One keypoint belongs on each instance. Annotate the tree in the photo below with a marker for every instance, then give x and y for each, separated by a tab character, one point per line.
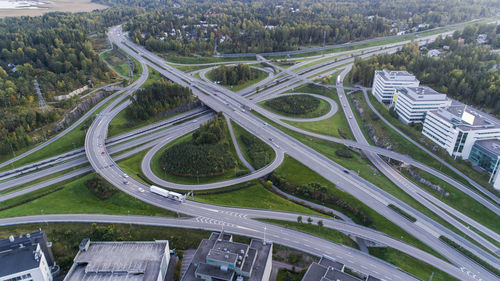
320	223
309	220
299	219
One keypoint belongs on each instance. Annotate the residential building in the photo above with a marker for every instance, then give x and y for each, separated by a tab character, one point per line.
22	258
385	83
133	261
220	258
456	128
412	103
328	269
482	39
485	154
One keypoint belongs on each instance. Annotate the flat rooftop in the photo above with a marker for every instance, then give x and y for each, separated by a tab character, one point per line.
396	75
118	261
217	248
18	260
492	146
422	93
455	111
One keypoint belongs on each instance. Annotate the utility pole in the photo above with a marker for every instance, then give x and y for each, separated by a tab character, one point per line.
432	275
324	38
41	101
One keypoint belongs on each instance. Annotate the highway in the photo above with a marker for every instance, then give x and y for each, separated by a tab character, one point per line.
230	105
239	221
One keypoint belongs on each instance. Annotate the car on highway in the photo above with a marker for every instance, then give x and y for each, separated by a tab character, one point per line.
125	175
103	153
350	116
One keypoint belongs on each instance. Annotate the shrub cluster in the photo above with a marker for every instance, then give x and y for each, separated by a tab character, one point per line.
300	104
100	188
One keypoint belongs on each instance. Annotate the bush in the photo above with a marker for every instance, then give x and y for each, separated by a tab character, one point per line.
343	153
100	188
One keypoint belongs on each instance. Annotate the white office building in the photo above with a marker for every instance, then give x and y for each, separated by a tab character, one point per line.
24	263
385	83
457	127
413	103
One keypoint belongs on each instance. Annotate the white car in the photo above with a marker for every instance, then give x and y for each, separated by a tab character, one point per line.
125	175
350	116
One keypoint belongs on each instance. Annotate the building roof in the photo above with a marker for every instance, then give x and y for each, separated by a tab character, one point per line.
136	261
491	146
396	75
33	238
330	262
221	249
466	117
422	93
324	272
18	260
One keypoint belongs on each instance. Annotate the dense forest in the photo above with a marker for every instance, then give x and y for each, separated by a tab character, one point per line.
155	98
297	104
467	72
188	27
207	154
54	49
233	75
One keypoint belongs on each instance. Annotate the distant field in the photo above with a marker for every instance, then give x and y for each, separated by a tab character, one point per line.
55	6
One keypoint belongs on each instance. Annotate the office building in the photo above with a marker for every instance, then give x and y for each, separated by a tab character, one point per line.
328	269
110	261
24	258
412	103
385	83
456	128
485	154
220	259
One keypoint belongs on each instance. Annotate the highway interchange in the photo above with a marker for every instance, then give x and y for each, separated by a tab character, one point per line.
98	152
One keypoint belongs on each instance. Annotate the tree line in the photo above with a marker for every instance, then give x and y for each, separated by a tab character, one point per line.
156	98
265	26
469	72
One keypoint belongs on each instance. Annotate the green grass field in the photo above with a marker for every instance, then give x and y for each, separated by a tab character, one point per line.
335	126
245	150
117	61
75	198
254	196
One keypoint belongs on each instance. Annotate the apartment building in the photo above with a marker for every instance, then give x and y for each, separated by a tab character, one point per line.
385	83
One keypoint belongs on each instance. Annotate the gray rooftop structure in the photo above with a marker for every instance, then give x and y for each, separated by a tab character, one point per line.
328	269
396	75
422	93
491	146
38	237
135	261
220	258
18	260
455	111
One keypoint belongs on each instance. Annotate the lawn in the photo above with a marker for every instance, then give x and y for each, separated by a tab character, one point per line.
409	264
322	109
117	61
235	88
248	152
254	196
335	126
132	166
75	198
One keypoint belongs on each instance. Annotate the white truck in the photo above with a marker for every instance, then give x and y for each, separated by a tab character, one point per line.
169	194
